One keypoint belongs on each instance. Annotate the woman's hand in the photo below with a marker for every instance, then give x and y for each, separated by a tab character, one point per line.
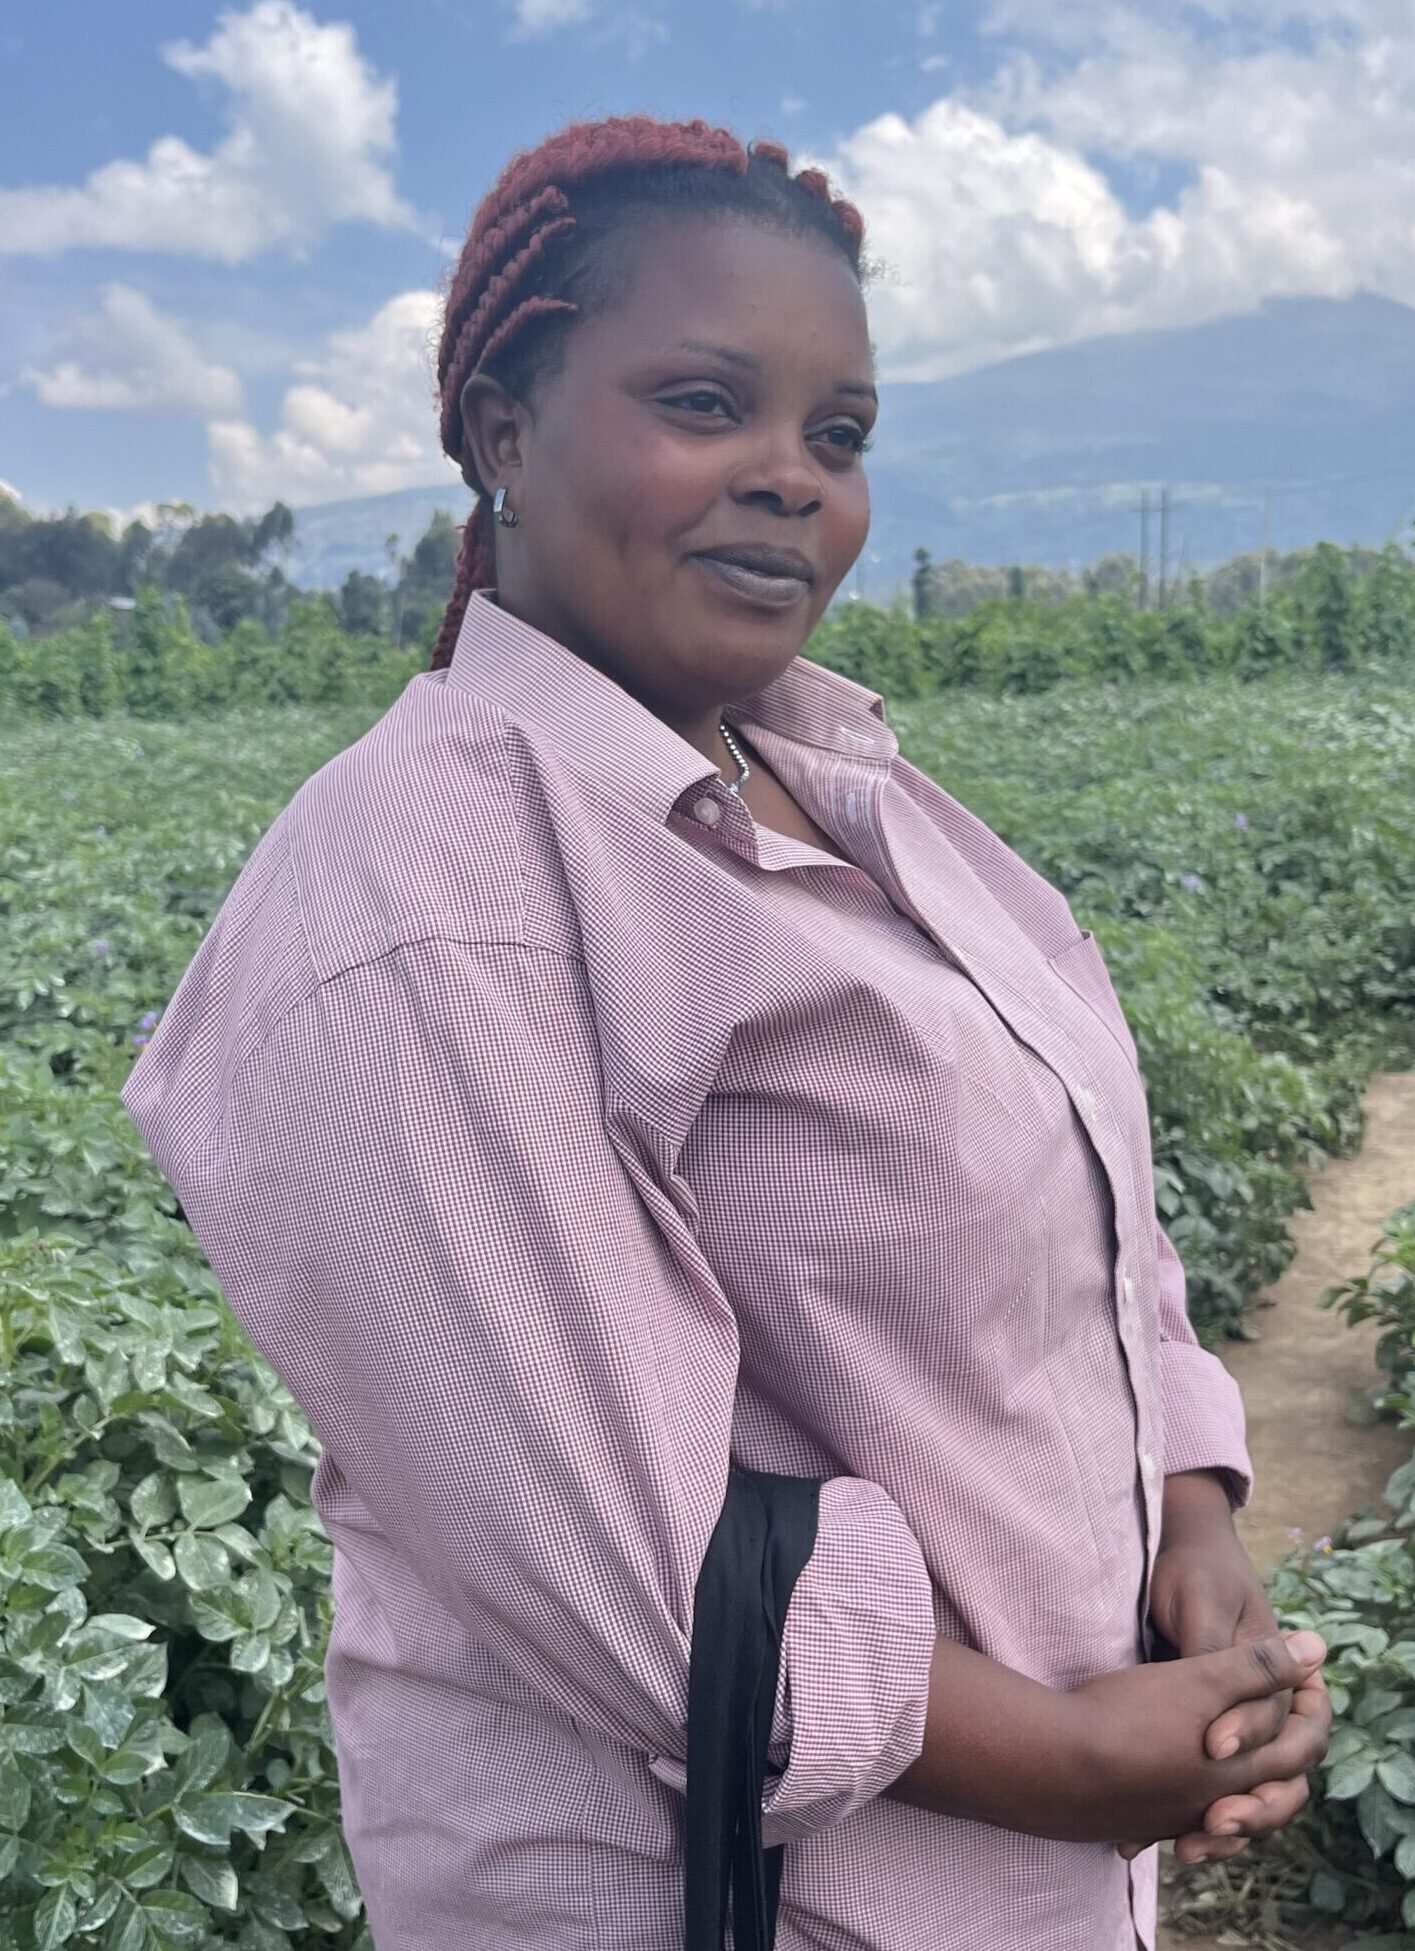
1206	1595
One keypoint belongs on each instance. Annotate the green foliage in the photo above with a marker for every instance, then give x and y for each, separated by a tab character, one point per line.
166	1769
1357	1841
151	663
1023	631
1385	1294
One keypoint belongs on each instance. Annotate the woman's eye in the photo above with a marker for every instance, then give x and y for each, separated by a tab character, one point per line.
699	400
847	438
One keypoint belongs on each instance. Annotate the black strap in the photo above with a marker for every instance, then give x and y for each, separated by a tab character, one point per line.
762	1540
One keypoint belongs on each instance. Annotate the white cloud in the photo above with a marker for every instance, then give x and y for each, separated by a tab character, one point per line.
128	356
544	16
1001	226
309	139
362	418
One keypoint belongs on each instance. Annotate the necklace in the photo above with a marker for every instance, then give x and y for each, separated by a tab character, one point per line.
743	769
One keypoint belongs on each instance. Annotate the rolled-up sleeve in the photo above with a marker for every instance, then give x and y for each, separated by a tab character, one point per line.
515	1353
1203	1410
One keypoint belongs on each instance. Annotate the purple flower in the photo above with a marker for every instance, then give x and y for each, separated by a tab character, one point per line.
1191	883
1321	1544
1241	822
1294	1531
100	947
139	1040
149	1022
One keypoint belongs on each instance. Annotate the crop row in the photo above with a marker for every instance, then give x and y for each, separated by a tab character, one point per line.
1247	858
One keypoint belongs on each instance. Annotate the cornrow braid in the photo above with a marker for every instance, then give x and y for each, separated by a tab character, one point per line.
529	263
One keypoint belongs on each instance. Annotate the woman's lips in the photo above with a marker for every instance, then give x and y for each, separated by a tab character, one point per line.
777	592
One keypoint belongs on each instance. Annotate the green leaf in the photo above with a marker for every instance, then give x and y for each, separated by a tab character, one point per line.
54	1918
86	1743
1397	1773
212	1500
1348	1778
211	1818
9	1855
148	1865
250	1653
154	1501
14	1793
207	1752
336	1874
276	1906
132	1934
54	1568
202	1562
1379	1817
108	1711
95	1914
215	1883
174	1916
15	1507
156	1556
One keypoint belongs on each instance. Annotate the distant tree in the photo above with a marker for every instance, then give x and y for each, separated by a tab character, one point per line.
273	533
135	547
1326	604
426	581
363	604
919	584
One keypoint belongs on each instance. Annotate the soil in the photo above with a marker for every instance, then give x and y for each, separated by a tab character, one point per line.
1313	1465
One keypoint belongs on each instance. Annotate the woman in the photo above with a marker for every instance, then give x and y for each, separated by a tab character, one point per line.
620	1062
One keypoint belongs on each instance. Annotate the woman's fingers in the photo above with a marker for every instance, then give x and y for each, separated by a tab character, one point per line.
1268	1807
1243	1729
1303	1740
1201	1848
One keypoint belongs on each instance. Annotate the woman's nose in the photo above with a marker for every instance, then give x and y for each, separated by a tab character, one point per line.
779	476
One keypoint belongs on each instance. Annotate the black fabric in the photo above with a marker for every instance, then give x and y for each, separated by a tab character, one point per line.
762	1540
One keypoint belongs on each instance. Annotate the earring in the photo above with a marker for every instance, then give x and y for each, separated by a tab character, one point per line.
507	517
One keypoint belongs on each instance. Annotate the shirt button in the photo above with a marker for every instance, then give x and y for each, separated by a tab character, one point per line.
708	812
1147	1466
1127	1290
1085	1103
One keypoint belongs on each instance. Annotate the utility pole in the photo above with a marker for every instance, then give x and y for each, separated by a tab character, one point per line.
1263	558
1164	546
1144	548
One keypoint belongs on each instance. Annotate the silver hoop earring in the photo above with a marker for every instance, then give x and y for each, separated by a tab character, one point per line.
507	517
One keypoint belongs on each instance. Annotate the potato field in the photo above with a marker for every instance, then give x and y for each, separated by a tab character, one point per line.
1244	851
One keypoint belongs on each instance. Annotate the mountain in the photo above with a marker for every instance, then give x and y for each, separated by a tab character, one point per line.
1308	402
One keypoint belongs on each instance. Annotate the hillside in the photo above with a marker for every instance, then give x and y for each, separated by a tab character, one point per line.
1042	459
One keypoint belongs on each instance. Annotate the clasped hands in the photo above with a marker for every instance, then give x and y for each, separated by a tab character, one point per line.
1205	1596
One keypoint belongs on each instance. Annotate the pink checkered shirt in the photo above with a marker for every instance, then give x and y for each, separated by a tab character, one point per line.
558	1133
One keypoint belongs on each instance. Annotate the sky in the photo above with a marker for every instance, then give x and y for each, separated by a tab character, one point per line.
225	230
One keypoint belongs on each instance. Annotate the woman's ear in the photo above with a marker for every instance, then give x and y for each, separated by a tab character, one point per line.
492	427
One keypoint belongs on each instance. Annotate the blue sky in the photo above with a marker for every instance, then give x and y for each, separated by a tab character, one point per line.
222	227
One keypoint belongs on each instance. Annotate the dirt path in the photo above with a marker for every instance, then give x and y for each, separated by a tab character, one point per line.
1312	1466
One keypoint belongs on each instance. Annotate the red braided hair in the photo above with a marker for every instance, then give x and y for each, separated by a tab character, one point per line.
523	264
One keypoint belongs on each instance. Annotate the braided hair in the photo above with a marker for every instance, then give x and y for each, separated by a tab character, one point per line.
533	261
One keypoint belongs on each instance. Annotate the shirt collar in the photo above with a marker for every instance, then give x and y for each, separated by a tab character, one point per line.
605	730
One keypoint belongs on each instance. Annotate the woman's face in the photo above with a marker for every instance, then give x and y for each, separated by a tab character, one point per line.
689	483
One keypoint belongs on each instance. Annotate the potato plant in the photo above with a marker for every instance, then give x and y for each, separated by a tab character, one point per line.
1246	854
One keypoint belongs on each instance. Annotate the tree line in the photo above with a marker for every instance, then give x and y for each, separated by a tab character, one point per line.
192	614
